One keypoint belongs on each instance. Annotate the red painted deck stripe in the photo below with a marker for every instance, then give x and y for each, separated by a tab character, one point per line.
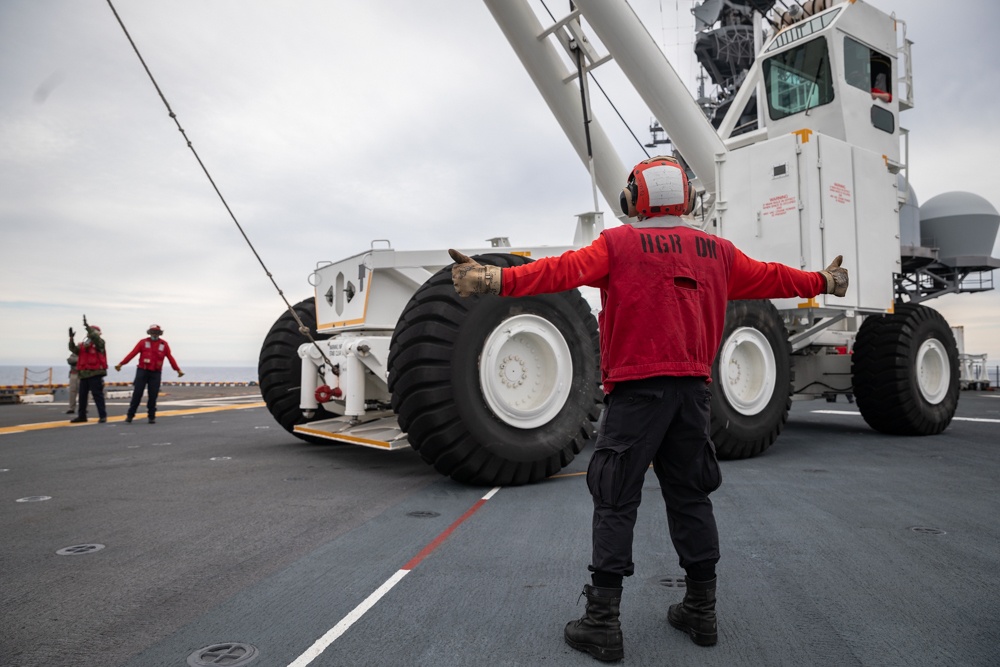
340	628
426	551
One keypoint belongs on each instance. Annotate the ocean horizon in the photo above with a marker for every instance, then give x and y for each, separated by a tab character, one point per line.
38	374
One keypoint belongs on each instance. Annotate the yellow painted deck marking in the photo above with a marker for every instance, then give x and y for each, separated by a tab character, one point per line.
162	413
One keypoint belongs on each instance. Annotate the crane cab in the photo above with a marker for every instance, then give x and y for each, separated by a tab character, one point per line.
835	74
818	177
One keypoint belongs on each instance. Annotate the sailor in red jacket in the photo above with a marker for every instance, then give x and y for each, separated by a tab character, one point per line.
664	288
152	351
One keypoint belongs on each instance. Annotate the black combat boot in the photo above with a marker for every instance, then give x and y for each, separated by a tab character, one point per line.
696	614
599	632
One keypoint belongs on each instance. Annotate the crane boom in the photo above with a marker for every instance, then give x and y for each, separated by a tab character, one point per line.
556	84
656	81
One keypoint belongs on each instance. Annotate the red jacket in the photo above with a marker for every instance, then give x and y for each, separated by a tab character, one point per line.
663	295
153	354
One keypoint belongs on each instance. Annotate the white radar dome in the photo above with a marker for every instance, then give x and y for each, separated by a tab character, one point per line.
960	224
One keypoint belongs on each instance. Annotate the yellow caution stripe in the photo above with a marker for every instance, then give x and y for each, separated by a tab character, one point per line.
163	413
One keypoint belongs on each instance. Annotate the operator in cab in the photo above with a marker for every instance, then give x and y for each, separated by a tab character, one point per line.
664	288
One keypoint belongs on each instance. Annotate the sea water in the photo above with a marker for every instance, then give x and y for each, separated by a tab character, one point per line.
38	374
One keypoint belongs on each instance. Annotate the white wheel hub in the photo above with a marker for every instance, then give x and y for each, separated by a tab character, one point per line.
933	370
525	371
747	369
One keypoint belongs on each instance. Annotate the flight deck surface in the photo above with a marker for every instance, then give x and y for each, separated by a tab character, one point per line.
224	538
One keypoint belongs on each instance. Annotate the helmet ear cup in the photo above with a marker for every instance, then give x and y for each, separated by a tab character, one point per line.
692	193
628	198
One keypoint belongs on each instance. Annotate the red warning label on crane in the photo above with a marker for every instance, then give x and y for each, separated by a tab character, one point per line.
840	193
779	205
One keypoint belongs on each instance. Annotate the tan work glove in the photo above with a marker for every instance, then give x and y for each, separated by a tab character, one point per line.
470	277
118	367
836	277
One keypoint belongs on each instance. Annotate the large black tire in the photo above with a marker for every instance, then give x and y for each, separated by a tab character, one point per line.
459	422
752	380
279	369
905	368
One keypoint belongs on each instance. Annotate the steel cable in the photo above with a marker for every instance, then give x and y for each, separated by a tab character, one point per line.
303	329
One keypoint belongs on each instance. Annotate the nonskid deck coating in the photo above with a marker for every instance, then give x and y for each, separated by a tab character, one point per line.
841	546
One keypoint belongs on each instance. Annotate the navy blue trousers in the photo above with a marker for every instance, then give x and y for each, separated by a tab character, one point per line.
95	386
663	421
149	382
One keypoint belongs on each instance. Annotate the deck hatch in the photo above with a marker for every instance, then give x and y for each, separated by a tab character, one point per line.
230	654
78	549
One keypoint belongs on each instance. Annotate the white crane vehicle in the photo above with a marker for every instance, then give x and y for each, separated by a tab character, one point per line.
800	157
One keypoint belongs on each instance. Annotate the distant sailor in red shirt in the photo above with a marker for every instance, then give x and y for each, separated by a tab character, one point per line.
664	288
152	351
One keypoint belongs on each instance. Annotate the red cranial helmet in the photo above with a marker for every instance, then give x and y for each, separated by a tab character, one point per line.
657	187
154	329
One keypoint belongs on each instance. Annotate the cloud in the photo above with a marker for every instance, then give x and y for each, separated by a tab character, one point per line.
326	125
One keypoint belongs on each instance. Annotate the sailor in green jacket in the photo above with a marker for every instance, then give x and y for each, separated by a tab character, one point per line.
92	366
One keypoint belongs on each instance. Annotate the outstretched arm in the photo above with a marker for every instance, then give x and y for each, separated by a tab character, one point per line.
128	357
94	334
751	279
573	268
170	358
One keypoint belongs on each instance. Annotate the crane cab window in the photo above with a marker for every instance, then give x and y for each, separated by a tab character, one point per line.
798	79
868	69
871	71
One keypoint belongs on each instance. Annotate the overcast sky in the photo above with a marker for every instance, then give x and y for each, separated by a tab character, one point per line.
327	124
